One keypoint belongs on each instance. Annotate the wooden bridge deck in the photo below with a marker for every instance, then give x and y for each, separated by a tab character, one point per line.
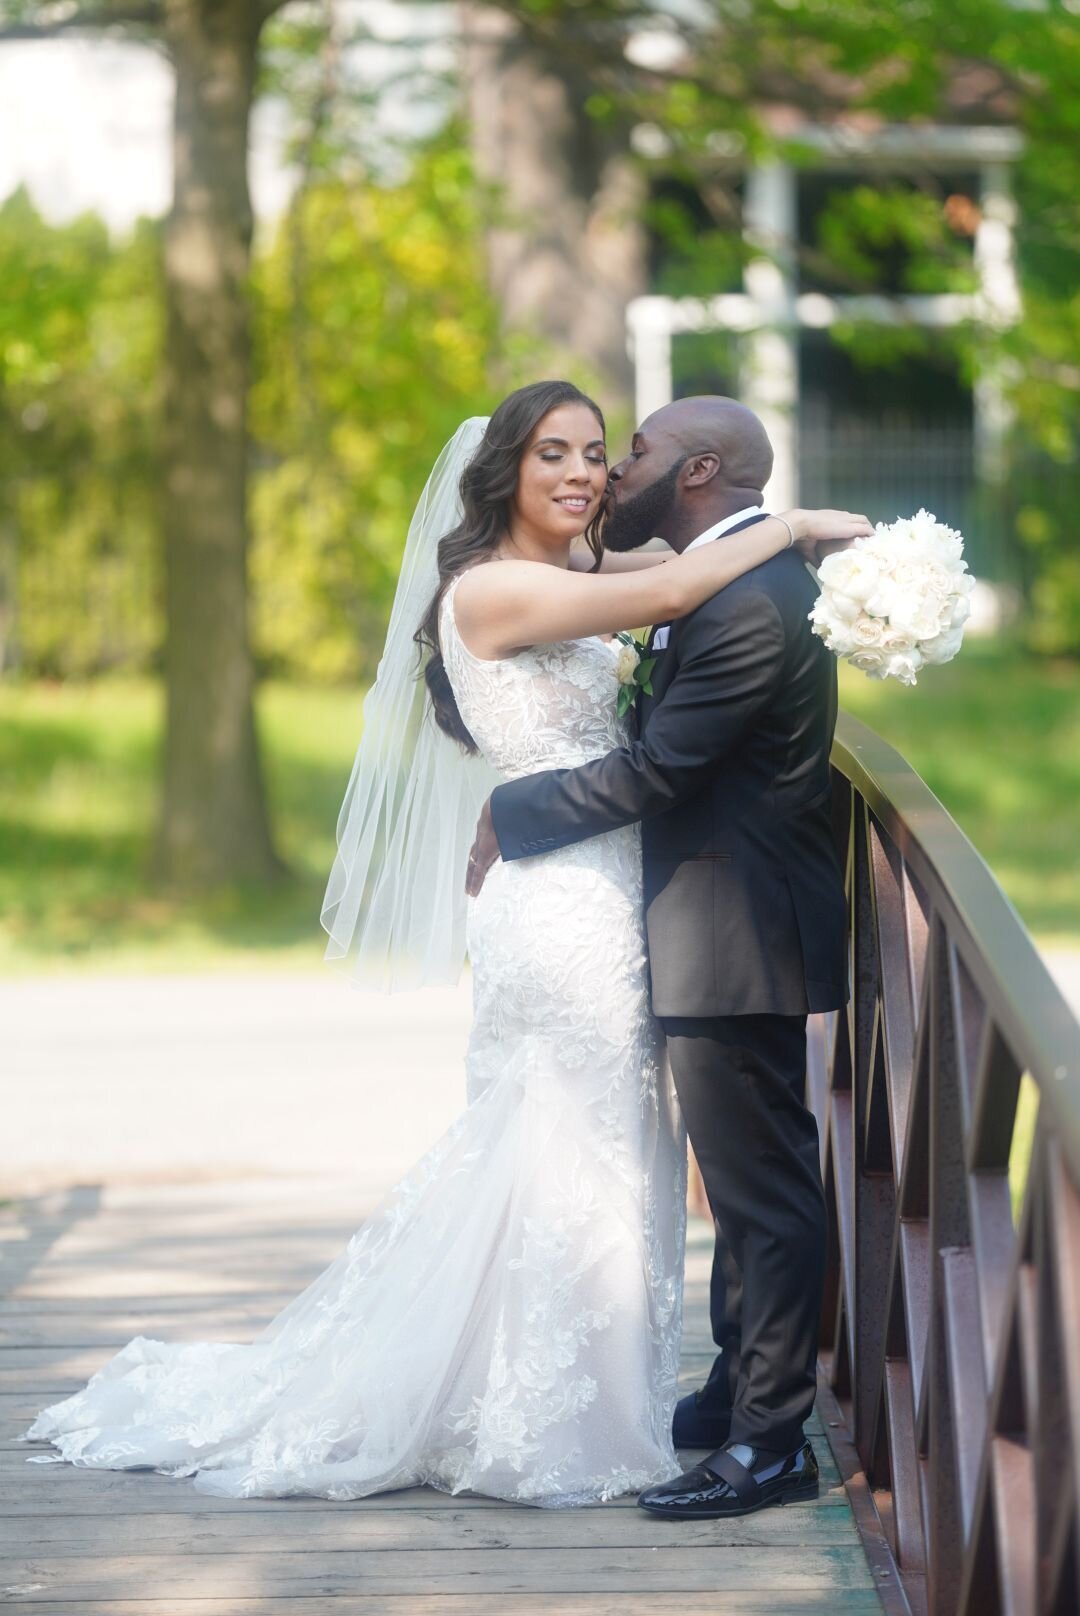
86	1270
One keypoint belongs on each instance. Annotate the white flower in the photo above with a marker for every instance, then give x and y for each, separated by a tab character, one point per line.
626	663
880	603
840	639
959	611
871	662
917	614
867	632
852	572
943	648
904	665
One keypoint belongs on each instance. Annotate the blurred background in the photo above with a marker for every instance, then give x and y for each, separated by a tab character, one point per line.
259	260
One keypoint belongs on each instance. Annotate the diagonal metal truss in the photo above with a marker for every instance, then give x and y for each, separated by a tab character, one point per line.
951	1328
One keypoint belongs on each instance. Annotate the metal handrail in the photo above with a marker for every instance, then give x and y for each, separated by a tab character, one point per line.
1001	954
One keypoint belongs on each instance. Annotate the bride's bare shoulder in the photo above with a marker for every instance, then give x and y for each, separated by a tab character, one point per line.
491	585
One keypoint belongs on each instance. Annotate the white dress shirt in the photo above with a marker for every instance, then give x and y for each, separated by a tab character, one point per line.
660	638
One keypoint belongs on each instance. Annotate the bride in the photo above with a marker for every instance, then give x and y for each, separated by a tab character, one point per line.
508	1320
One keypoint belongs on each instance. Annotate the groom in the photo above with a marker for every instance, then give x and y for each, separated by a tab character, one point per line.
746	925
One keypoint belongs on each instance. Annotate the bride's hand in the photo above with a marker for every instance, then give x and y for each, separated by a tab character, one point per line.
820	533
484	853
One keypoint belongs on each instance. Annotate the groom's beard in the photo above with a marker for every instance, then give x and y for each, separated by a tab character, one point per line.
633	522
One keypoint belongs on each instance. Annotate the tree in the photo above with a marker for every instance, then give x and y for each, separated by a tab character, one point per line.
567	248
213	827
695	80
80	344
375	336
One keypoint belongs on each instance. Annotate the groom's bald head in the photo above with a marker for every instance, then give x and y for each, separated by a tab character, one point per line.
711	424
691	463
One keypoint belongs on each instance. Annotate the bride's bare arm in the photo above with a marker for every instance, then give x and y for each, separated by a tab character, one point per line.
581	560
505	605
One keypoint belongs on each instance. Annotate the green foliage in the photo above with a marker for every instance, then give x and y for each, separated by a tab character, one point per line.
375	337
374	333
80	328
996	734
78	778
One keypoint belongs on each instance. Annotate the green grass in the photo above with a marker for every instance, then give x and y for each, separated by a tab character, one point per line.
996	736
77	800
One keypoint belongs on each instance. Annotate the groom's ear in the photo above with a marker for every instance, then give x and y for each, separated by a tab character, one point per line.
700	469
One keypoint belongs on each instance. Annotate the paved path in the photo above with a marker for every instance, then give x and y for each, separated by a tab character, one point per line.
151	1079
89	1268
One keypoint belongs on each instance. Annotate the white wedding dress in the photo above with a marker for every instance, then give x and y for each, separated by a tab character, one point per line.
508	1320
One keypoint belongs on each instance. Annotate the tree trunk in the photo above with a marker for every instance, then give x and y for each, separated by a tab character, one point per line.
569	251
213	827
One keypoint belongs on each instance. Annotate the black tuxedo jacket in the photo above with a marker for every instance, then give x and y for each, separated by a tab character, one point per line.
744	897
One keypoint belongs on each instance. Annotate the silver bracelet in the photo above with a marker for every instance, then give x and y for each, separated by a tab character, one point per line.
791	530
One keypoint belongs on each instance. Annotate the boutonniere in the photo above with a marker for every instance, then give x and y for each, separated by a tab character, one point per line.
633	671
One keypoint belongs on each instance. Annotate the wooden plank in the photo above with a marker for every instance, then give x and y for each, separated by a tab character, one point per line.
423	1571
269	1299
109	1331
193	1265
70	1490
365	1526
743	1602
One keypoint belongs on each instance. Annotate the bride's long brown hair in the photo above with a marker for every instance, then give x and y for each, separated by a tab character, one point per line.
487	488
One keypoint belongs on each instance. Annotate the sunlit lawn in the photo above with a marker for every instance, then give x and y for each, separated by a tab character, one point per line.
997	737
77	799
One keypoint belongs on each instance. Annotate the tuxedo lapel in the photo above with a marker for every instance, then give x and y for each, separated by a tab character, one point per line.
666	661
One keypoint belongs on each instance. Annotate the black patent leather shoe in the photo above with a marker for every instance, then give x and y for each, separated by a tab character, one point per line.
736	1480
695	1427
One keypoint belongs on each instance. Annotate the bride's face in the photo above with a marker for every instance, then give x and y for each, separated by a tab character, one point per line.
562	476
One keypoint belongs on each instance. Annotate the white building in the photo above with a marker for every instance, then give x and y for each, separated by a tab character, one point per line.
858	441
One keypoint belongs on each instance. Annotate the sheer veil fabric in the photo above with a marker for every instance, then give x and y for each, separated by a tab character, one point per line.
395	900
507	1322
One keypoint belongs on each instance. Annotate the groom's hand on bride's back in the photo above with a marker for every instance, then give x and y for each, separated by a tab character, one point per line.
485	851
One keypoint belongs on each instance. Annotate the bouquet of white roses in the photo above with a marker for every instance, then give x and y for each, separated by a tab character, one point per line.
896	601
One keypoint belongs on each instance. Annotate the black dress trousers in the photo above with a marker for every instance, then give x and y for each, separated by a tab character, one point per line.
741	1084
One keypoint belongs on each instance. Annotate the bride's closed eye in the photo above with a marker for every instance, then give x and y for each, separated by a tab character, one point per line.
594	460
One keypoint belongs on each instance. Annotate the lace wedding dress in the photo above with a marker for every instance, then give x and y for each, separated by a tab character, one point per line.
508	1320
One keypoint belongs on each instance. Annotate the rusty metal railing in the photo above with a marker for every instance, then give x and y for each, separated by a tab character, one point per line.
951	1329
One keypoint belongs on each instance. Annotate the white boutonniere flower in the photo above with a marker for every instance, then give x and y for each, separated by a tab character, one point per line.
633	671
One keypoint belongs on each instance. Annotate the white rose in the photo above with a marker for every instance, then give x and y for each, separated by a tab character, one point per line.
936	579
626	664
853	572
892	641
871	662
959	611
906	573
867	632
